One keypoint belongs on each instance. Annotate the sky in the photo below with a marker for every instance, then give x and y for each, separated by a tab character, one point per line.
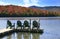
28	3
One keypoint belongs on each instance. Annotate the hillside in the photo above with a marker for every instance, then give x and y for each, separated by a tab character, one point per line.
18	11
49	8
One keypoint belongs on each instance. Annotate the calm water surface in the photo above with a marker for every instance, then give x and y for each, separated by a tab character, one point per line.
51	30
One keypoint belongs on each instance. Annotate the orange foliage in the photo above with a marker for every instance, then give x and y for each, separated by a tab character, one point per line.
19	10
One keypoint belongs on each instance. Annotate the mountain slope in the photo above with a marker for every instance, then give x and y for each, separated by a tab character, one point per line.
18	11
49	8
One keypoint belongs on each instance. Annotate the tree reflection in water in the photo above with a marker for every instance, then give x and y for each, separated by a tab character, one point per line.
21	35
35	36
9	37
26	35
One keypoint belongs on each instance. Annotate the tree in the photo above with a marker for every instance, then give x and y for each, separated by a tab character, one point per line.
52	14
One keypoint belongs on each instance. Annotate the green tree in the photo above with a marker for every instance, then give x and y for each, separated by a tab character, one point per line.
51	14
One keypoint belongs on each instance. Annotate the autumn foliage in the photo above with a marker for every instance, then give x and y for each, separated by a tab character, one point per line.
18	11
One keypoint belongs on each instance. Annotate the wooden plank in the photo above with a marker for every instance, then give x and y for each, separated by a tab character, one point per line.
4	30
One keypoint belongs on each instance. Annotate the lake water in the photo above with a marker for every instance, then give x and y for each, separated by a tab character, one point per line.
51	30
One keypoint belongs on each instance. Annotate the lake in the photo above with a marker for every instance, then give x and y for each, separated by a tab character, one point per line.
51	30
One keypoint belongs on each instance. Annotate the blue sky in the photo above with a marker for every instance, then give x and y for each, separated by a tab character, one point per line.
27	3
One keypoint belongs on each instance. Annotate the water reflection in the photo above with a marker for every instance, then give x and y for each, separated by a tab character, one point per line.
9	37
19	35
26	35
23	36
14	36
35	35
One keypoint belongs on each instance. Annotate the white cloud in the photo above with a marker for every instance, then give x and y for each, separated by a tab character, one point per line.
30	2
26	3
3	3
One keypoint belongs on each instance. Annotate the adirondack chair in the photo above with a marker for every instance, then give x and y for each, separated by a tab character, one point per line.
26	25
35	25
9	24
19	25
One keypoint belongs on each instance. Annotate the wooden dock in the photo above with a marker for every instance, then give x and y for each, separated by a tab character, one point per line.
30	31
5	32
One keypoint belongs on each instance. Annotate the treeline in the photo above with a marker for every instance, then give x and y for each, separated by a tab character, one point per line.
18	11
49	14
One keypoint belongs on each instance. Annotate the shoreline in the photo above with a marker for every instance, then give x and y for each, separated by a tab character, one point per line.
32	18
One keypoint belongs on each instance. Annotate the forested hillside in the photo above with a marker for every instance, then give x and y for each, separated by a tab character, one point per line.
18	11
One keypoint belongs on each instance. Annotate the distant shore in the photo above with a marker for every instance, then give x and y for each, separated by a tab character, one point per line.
36	18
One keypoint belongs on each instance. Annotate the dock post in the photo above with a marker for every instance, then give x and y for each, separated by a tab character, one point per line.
30	23
39	23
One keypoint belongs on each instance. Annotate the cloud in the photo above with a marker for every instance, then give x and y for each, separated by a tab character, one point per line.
3	3
30	3
26	3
